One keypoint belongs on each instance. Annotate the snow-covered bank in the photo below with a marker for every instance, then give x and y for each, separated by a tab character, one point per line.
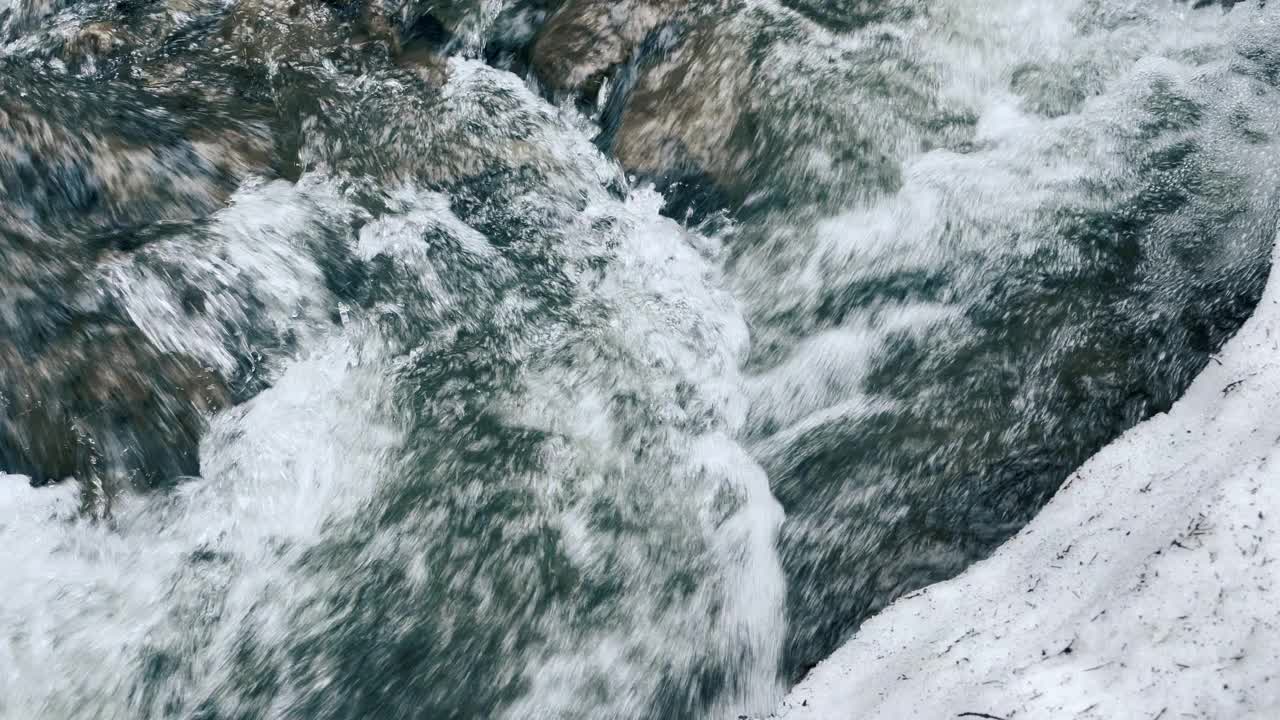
1148	588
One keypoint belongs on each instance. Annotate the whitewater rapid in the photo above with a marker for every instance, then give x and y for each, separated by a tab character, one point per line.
396	381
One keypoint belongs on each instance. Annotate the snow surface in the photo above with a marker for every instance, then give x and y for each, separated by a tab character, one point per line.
1148	588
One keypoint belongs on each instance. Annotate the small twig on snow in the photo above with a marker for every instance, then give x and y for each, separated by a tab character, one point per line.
1233	385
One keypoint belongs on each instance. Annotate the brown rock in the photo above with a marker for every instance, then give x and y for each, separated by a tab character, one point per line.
771	109
96	39
103	405
682	113
585	39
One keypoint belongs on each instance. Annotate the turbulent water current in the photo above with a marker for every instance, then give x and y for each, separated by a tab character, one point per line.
577	358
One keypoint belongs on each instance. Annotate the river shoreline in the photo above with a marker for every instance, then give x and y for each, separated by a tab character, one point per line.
1145	589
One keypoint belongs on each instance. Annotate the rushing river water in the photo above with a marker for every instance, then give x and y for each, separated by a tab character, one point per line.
577	359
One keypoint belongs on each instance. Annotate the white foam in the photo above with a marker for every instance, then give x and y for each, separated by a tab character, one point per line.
671	333
87	599
257	255
962	213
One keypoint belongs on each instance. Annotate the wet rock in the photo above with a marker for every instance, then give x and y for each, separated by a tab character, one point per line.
82	392
585	39
64	163
719	107
130	311
95	40
119	343
102	404
680	118
86	391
